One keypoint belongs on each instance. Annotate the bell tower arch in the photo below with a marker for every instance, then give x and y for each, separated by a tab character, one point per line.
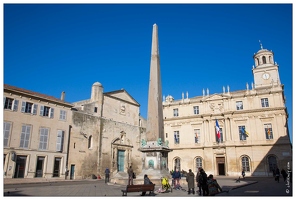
265	71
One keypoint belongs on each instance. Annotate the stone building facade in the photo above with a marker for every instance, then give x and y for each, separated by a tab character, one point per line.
253	126
106	132
48	137
35	134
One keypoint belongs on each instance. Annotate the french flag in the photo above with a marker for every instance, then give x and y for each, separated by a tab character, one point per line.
218	130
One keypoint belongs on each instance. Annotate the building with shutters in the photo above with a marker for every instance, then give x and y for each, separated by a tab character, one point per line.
35	133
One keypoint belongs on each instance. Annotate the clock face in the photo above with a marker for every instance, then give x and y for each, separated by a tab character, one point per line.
265	76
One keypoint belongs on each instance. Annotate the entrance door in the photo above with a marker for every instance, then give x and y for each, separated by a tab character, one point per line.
120	160
39	166
56	167
221	165
20	167
72	171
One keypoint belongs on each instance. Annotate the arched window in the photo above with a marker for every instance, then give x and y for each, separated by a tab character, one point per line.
272	163
177	164
90	142
246	163
263	59
270	59
257	61
198	163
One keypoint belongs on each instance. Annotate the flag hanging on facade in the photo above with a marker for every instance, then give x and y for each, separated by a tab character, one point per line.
176	140
218	131
245	132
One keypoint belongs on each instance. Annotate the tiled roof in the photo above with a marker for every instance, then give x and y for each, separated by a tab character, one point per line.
36	94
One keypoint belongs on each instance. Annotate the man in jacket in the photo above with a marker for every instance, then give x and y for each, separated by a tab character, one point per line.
177	177
203	181
146	182
190	181
107	173
130	173
197	181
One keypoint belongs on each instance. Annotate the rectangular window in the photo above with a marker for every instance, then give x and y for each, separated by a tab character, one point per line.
196	110
264	102
10	104
176	112
242	134
176	137
268	131
25	136
43	138
239	105
46	111
63	115
60	140
28	107
6	132
96	109
197	135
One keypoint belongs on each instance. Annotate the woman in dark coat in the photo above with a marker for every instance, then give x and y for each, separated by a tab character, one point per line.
190	182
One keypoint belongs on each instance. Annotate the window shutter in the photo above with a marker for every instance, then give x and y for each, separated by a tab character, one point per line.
15	105
35	109
23	106
4	99
6	129
41	110
60	139
51	112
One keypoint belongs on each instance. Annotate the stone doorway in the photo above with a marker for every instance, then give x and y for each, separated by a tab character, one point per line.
221	165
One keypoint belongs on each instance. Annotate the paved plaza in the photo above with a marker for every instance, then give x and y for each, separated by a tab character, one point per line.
94	188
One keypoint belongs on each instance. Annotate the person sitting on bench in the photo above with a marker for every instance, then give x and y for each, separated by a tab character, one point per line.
146	182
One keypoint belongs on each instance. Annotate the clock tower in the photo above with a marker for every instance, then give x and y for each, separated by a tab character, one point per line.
265	70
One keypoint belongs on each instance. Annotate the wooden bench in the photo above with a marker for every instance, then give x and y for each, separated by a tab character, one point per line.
138	188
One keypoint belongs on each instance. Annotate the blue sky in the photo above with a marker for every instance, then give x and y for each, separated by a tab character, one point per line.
50	48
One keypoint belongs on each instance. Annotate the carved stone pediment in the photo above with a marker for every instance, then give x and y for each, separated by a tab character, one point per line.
214	97
219	151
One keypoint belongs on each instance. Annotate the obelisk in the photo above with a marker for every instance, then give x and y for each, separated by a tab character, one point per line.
154	129
155	149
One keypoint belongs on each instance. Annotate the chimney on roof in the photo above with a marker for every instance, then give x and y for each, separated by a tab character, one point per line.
63	96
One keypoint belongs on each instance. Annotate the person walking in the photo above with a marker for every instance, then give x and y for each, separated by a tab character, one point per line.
213	186
190	182
284	174
130	173
146	182
177	177
277	175
197	181
107	175
243	173
173	178
203	180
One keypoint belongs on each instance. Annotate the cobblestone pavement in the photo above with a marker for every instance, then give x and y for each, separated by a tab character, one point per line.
93	187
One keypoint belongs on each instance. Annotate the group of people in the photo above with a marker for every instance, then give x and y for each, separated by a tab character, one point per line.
277	174
207	185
